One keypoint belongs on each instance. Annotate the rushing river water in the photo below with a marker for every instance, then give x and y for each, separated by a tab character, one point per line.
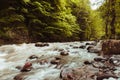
17	54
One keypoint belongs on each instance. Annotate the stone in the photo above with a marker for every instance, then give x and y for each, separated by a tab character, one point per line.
90	47
82	73
27	67
33	57
88	44
114	61
43	61
55	62
57	58
22	75
67	74
64	53
18	77
110	47
82	47
60	50
92	50
39	44
75	47
98	59
87	62
106	76
92	43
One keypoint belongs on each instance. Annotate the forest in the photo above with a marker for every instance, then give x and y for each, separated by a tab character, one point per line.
58	21
59	40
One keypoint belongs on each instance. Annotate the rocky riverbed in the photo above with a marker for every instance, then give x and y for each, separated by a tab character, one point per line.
57	61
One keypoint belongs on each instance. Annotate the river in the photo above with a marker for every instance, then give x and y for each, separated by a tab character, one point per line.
18	54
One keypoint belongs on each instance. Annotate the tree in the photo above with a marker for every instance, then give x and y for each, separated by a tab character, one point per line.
89	21
110	12
51	20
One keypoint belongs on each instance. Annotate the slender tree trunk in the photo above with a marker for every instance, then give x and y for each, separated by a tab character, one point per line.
112	23
113	32
107	19
106	29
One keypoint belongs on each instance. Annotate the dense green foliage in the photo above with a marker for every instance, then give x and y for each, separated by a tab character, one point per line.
49	20
110	12
89	21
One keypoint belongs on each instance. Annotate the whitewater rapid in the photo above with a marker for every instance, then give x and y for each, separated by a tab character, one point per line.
17	54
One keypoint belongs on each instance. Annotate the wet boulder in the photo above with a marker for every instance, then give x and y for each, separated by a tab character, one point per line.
88	44
82	73
110	47
114	61
82	46
75	47
42	61
106	76
60	50
57	58
55	62
98	65
27	67
22	76
87	62
91	43
64	53
98	59
67	74
18	77
90	47
39	44
93	50
33	57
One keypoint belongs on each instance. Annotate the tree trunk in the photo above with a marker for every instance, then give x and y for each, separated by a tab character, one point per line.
113	32
112	23
106	29
107	20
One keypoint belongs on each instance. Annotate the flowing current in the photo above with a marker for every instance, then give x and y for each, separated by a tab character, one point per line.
17	54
